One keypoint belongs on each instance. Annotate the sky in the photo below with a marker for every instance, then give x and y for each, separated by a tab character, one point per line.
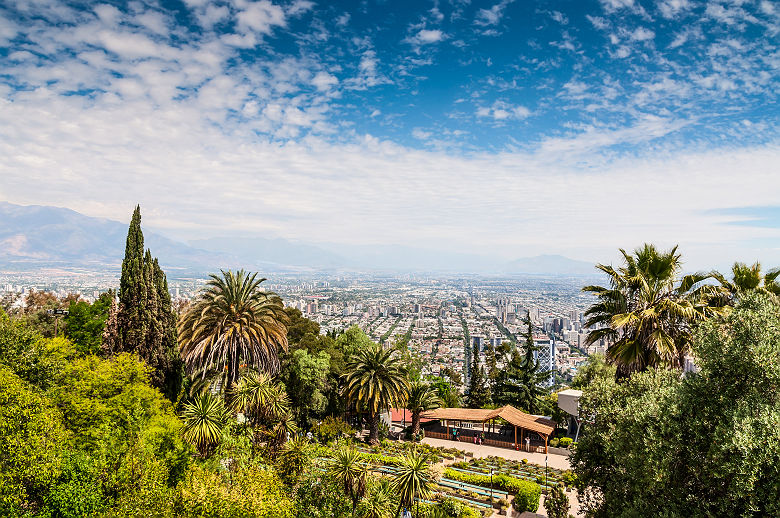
509	129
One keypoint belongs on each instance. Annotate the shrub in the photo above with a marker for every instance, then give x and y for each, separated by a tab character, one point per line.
554	443
525	461
32	438
331	428
566	442
569	478
557	503
526	493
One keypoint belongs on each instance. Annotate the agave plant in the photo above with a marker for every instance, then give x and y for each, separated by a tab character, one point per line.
204	419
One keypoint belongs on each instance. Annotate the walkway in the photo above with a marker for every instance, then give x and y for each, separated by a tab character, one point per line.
554	461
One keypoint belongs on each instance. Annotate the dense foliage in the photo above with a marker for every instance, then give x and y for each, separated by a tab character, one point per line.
526	493
704	444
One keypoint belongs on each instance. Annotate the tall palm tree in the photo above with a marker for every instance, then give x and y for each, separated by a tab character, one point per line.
748	278
204	419
421	397
648	310
233	323
413	479
375	380
350	469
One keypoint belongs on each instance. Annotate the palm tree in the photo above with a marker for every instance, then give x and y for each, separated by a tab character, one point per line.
350	469
413	479
204	419
375	380
421	397
378	503
233	323
748	279
648	311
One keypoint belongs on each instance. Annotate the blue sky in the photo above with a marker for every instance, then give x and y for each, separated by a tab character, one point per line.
508	127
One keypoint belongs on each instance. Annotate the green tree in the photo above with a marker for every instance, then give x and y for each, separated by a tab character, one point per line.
85	322
413	479
446	391
710	444
648	311
146	324
556	503
32	440
306	379
374	381
378	502
479	395
294	460
231	324
596	365
421	397
522	382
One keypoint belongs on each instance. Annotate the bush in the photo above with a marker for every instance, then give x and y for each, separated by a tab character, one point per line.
250	492
566	442
554	443
557	503
331	428
32	438
569	478
526	493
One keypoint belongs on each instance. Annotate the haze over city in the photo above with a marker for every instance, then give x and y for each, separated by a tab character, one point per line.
508	129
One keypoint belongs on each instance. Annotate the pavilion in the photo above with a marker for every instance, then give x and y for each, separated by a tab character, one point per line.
526	423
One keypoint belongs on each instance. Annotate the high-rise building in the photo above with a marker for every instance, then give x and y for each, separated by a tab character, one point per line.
545	355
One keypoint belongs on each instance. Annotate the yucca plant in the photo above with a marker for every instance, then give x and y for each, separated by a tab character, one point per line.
378	502
413	479
204	418
375	380
233	323
349	467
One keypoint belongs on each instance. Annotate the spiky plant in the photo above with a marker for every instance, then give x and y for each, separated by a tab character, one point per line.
350	469
231	324
204	419
748	278
378	503
413	479
375	380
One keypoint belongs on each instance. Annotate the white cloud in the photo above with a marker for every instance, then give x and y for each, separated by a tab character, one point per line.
671	8
642	34
426	37
259	17
492	16
501	111
324	81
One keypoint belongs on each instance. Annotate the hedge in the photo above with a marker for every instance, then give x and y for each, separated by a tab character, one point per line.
526	493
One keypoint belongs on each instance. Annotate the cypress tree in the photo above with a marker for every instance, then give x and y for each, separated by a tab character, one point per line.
479	391
146	324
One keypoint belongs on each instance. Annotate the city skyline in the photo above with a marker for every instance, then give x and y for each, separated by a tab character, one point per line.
515	127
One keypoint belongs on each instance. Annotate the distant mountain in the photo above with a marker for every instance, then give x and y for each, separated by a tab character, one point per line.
550	265
36	236
276	250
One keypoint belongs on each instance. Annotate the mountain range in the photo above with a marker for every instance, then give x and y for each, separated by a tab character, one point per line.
35	236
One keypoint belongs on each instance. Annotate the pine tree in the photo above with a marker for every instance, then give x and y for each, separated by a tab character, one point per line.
479	391
145	323
521	382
